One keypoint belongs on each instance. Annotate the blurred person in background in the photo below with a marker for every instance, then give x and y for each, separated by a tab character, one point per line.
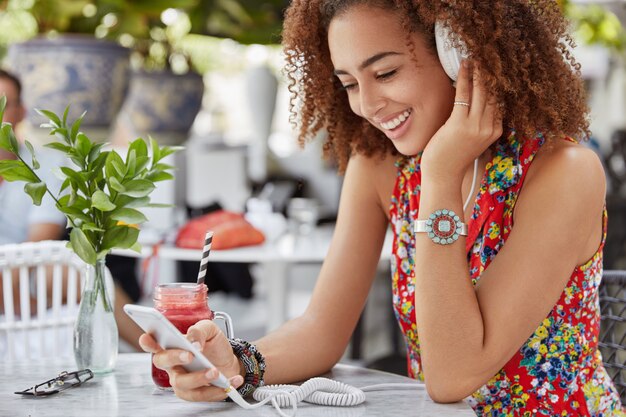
22	221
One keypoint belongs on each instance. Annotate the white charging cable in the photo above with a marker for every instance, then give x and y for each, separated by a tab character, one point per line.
320	391
471	193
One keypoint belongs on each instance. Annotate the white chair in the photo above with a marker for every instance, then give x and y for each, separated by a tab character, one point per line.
32	267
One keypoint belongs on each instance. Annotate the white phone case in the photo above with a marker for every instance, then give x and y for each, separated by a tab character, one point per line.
169	337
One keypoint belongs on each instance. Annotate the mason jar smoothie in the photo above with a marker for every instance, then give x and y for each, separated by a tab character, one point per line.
184	304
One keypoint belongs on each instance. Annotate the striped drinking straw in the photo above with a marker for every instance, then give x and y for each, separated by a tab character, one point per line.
205	256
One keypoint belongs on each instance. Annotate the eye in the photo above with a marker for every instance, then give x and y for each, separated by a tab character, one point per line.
349	87
386	75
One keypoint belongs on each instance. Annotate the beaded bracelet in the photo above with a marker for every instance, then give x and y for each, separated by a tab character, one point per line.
253	363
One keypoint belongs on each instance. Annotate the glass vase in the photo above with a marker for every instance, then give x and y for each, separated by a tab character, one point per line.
95	331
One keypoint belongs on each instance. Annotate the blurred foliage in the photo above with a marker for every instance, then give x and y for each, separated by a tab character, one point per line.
596	24
154	29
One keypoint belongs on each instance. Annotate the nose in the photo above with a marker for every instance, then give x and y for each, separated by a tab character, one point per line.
371	101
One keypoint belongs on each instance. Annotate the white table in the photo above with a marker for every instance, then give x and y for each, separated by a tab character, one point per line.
274	258
129	391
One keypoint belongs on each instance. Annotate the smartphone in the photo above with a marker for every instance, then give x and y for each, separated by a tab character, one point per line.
169	337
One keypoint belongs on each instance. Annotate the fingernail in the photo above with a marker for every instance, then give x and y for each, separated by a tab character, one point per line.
236	380
185	357
211	374
196	345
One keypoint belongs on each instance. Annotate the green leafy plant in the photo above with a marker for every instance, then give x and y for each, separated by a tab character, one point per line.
596	24
156	30
101	193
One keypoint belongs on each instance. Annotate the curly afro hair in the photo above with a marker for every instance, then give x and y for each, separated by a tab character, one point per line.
521	47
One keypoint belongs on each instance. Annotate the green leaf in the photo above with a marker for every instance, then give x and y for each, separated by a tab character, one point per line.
83	145
101	201
97	166
120	237
163	167
141	164
58	146
138	188
96	153
116	185
156	150
92	227
36	191
114	166
8	141
62	134
3	105
128	215
82	246
140	147
132	202
51	116
66	183
65	114
160	205
79	203
131	160
76	158
76	179
16	170
76	126
136	247
73	196
74	213
32	153
160	176
168	150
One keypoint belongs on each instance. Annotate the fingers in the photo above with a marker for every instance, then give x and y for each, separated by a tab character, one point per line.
203	332
197	386
482	116
148	344
187	381
463	90
492	119
479	96
169	358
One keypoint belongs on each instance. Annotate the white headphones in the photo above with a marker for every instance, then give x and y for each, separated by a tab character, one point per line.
449	56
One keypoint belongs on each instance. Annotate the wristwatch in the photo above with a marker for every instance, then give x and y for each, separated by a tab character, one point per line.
443	227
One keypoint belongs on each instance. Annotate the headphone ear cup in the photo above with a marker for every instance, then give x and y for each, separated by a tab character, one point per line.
449	56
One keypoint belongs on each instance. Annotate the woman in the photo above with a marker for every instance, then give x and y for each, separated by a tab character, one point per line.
517	330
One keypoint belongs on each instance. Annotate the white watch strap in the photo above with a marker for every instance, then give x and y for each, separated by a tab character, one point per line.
420	227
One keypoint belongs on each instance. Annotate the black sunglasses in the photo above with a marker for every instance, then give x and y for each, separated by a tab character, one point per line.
64	381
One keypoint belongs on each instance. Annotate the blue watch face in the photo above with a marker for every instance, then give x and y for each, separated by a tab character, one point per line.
443	227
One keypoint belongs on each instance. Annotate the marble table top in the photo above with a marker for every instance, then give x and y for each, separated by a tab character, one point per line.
129	391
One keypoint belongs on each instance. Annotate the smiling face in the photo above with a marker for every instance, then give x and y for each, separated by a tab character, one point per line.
405	94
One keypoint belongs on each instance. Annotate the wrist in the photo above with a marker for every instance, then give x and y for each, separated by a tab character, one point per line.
253	364
441	169
443	180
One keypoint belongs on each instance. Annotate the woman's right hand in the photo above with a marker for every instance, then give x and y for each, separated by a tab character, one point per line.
196	386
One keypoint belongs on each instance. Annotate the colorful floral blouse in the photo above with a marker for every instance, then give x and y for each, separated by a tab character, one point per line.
558	371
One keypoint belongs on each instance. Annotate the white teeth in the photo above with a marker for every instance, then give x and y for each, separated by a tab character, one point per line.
392	124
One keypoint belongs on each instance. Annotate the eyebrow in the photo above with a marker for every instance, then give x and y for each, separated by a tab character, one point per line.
369	61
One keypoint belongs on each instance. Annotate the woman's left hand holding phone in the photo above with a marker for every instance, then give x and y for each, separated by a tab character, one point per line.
196	386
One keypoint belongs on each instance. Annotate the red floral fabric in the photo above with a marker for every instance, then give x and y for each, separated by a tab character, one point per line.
558	371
